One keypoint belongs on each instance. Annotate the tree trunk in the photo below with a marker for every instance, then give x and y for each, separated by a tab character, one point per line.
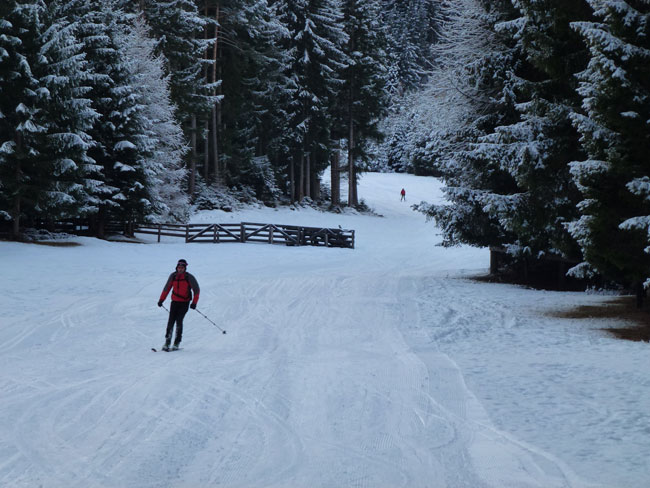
15	228
301	176
192	182
335	177
308	176
640	294
215	147
292	181
315	186
352	175
206	156
101	223
206	77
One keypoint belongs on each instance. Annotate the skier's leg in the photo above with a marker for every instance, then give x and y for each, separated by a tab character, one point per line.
173	312
182	310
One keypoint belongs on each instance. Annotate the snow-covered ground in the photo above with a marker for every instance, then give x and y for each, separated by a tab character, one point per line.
384	366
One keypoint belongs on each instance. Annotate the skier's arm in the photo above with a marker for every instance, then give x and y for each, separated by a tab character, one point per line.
168	286
195	288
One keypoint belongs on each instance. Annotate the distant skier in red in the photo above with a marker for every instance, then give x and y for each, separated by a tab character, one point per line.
403	193
182	284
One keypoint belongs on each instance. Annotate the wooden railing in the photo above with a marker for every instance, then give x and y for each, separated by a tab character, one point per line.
290	235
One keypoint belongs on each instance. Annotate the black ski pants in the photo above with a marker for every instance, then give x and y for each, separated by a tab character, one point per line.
177	312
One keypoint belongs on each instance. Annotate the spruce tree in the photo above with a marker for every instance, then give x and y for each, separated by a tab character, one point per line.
21	127
470	96
412	30
45	114
315	48
163	139
70	117
254	87
119	146
362	99
537	149
186	39
613	178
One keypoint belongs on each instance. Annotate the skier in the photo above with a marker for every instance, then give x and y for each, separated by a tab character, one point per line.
182	285
403	193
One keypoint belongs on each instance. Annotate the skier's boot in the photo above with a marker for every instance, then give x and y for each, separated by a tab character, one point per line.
175	347
166	347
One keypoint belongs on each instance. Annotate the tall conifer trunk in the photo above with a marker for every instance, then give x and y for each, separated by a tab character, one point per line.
335	178
352	175
301	176
292	180
308	176
15	228
215	127
192	175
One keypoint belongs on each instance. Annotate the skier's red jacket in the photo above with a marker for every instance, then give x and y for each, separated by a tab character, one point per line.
182	286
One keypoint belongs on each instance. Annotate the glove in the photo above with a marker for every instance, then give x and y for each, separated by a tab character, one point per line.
160	303
193	306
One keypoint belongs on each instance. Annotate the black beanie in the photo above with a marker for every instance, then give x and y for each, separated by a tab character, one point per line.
182	262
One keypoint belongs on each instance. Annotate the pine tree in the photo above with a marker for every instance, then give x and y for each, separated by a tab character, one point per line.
412	29
254	85
363	100
186	39
44	165
615	90
537	149
70	117
163	137
21	128
469	97
314	46
119	146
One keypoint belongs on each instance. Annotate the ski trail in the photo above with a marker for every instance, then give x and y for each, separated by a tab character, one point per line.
498	459
322	381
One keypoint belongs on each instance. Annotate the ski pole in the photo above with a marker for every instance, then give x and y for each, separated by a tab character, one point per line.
210	321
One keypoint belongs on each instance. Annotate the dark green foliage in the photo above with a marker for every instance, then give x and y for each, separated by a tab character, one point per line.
613	230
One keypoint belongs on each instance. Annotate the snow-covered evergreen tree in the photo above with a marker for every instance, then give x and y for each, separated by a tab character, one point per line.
70	117
412	31
615	89
186	39
255	87
315	48
363	98
119	142
468	97
180	29
536	150
20	92
43	116
163	136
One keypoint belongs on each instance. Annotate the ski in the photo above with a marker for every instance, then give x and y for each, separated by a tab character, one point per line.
169	350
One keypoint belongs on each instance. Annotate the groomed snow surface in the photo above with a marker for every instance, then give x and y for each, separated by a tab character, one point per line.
384	366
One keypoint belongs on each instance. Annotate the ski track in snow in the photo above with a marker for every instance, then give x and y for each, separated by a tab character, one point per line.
336	371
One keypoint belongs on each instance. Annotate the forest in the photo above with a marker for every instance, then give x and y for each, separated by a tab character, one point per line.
534	113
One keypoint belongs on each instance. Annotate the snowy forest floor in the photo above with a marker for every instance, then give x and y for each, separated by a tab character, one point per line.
384	366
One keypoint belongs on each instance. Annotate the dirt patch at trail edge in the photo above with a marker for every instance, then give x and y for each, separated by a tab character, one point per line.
620	308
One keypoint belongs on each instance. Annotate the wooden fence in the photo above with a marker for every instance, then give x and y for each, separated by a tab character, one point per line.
290	235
